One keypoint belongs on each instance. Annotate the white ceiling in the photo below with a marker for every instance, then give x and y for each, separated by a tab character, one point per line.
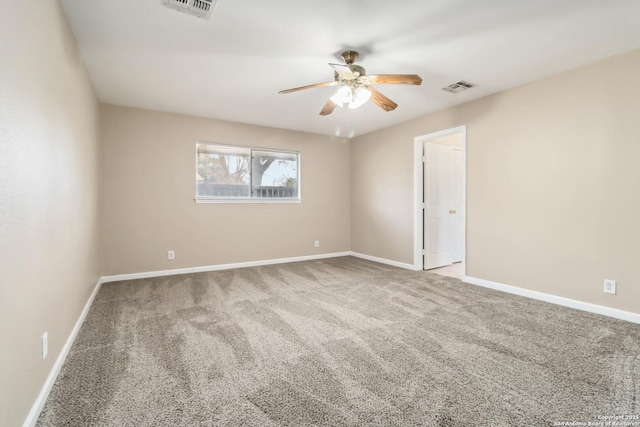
232	66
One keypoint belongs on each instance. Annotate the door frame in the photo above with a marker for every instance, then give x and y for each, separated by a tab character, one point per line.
418	194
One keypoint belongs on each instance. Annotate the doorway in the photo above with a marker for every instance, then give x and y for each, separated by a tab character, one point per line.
440	199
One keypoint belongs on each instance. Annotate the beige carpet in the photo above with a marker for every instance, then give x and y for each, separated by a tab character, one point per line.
339	342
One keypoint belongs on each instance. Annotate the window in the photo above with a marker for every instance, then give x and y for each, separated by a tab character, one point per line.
228	173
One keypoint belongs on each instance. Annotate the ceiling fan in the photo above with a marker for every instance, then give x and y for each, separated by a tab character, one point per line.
356	87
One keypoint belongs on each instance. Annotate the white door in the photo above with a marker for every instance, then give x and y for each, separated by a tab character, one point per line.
437	227
443	198
456	199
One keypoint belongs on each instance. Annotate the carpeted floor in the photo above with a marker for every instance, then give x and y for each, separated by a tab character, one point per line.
339	342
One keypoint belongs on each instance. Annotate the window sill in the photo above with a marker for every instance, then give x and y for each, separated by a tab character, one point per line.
241	201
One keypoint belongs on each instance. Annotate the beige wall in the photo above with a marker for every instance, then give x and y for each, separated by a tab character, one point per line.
149	173
49	192
553	174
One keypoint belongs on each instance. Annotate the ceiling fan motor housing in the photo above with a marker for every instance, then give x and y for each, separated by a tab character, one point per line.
357	70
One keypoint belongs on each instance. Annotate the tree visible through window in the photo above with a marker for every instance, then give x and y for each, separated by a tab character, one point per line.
226	172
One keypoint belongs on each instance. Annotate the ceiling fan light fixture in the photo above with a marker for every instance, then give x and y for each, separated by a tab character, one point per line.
353	97
360	96
342	96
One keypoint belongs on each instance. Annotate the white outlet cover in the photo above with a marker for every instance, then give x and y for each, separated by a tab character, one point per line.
317	243
609	286
171	255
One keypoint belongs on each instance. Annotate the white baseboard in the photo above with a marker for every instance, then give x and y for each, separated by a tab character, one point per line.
205	268
384	261
566	302
34	413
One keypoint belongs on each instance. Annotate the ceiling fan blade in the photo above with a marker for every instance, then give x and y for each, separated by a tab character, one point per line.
395	79
343	70
295	89
328	108
382	101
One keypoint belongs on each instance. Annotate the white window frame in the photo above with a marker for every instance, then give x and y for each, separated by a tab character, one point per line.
249	199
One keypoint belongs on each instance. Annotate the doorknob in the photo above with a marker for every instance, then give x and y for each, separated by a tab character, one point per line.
452	211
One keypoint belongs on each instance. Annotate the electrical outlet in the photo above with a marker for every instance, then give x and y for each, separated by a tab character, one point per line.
317	243
609	286
45	345
171	255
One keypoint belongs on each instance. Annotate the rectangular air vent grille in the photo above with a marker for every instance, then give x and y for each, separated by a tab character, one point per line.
458	86
199	8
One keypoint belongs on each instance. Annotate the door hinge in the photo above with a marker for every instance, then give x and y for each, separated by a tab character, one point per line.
423	205
424	252
424	159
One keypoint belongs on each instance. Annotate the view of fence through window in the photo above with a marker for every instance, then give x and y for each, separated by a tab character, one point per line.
226	172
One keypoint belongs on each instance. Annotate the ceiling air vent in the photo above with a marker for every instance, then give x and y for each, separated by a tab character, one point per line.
458	86
199	8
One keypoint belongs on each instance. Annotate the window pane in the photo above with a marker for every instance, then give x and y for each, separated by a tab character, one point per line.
274	174
222	172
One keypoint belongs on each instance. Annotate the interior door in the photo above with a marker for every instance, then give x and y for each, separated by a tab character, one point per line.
437	199
456	213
